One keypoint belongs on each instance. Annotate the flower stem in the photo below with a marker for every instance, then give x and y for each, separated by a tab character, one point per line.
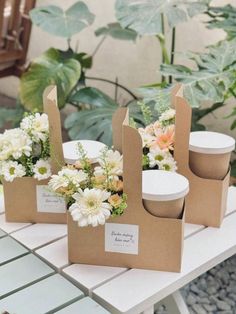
172	56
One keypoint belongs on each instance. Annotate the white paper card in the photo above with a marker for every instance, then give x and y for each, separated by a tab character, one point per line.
49	202
121	238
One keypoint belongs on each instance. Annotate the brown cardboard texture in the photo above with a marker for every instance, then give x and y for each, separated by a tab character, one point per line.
20	195
160	239
206	201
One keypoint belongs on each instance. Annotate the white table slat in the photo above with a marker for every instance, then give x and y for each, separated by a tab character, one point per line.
231	200
87	277
40	234
137	289
10	227
84	306
2	233
21	272
55	253
10	249
190	229
48	295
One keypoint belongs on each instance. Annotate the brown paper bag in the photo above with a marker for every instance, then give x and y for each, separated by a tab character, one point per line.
136	239
29	200
206	201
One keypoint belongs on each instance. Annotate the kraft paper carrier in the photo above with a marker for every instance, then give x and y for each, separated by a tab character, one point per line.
20	196
157	243
207	199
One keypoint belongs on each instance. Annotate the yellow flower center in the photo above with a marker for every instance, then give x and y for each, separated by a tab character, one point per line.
42	170
12	170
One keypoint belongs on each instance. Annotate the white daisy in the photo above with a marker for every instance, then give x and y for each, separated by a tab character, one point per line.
57	182
90	207
10	170
42	169
156	156
168	164
14	143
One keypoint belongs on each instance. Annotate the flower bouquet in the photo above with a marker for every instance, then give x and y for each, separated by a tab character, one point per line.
92	194
158	143
25	151
28	157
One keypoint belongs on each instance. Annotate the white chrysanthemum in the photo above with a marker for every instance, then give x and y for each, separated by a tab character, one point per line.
147	139
14	143
42	169
156	156
167	115
113	164
90	207
74	176
10	170
37	126
168	164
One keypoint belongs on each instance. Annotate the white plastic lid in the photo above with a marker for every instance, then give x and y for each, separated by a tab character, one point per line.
160	185
211	142
92	148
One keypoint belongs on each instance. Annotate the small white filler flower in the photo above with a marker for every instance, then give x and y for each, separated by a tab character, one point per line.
156	156
167	115
42	169
90	207
168	164
37	126
111	165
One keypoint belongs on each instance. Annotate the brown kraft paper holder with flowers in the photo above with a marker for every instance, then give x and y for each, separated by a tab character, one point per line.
206	201
20	195
160	240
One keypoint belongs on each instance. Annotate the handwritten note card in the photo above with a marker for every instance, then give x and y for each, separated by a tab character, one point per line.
121	238
49	202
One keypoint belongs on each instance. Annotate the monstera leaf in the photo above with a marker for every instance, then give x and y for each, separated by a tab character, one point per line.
224	18
95	123
50	68
215	74
116	31
145	16
54	20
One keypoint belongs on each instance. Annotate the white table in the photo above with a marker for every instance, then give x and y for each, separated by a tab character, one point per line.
118	290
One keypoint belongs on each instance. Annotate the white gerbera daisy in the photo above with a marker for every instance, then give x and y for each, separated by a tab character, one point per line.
167	115
168	164
42	169
10	170
14	143
157	155
90	207
74	176
56	182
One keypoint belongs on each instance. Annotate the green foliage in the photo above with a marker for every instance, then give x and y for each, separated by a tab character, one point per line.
233	114
50	68
14	115
214	74
116	31
233	168
224	18
145	17
54	20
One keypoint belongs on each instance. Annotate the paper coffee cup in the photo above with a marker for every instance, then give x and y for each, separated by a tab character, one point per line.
209	154
164	192
92	148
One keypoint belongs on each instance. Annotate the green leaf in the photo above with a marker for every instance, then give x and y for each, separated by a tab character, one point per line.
50	68
94	97
85	60
11	115
214	73
144	16
116	31
233	168
55	21
224	18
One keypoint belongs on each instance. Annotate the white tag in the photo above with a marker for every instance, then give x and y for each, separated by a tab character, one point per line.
49	202
121	238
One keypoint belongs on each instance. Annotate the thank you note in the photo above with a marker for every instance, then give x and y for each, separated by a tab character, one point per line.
49	202
121	238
